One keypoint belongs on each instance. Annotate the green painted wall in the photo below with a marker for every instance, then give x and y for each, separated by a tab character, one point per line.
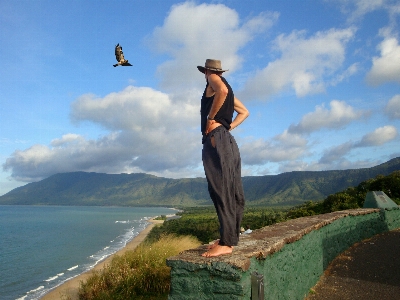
288	273
291	272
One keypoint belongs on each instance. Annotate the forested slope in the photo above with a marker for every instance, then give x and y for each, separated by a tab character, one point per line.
81	188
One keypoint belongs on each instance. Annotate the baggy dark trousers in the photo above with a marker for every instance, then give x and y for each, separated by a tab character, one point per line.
222	166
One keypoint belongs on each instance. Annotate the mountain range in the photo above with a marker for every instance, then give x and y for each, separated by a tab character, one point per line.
83	188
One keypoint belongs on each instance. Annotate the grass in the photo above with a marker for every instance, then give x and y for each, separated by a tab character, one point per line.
137	274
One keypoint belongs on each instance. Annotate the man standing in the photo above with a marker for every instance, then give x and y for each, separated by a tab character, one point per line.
221	157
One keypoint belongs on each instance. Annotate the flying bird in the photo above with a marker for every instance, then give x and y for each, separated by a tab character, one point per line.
119	55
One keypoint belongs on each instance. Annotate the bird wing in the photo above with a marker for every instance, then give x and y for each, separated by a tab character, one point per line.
119	55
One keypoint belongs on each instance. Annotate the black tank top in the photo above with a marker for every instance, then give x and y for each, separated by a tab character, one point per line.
225	113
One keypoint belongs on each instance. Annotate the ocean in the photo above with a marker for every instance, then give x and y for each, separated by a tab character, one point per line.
43	246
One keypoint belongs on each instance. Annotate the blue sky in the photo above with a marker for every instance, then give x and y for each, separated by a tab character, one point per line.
320	78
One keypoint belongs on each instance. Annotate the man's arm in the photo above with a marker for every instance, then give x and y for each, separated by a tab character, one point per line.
242	113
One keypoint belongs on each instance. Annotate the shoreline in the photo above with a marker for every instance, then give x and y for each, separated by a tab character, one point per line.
69	289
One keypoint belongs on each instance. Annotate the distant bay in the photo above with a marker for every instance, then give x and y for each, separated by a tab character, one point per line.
43	246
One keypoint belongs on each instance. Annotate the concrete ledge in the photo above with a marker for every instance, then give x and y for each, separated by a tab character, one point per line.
291	255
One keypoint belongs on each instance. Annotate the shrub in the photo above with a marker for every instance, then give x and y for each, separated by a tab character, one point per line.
306	209
202	225
352	197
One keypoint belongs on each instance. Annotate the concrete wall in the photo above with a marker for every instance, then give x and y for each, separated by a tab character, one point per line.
291	255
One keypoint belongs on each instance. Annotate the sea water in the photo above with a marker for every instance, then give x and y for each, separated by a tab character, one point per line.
43	246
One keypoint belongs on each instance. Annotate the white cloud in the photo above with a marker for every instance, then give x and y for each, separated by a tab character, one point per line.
192	33
149	131
338	116
290	145
69	153
114	153
366	6
350	71
357	9
336	153
362	7
305	64
378	137
25	164
137	109
386	67
340	164
282	147
66	139
392	109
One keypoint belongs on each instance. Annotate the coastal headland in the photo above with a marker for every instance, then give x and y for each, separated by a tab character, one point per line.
70	288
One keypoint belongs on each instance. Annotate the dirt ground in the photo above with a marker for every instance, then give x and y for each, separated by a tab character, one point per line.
368	270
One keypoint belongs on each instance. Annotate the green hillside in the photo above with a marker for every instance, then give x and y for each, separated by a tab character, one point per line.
292	188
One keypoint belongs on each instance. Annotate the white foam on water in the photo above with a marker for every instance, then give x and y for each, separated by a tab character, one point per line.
73	268
40	288
36	290
51	278
119	242
97	261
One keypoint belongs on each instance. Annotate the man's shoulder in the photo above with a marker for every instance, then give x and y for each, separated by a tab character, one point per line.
217	81
214	77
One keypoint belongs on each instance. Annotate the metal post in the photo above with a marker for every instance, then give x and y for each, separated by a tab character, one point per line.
257	286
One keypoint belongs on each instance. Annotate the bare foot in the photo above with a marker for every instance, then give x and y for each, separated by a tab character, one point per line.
213	245
218	250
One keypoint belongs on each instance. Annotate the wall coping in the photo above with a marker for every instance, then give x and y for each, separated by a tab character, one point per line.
267	240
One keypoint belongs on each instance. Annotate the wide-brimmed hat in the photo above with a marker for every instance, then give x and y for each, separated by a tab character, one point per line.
211	64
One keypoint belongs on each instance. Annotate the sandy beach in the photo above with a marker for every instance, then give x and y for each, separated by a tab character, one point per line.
69	289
